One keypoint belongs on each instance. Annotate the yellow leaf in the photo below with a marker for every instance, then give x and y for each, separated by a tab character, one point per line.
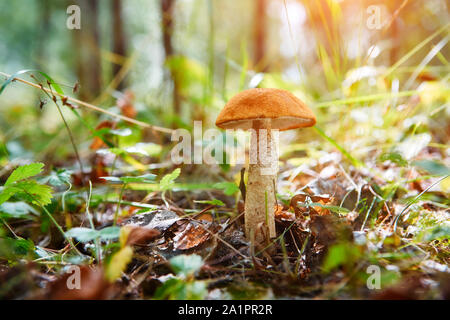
118	263
123	236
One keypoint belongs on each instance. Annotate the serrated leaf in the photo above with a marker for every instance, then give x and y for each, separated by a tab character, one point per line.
58	177
118	263
7	193
168	180
33	192
16	247
24	172
214	202
83	234
186	265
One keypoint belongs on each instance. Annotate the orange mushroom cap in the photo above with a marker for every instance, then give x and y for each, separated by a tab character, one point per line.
284	110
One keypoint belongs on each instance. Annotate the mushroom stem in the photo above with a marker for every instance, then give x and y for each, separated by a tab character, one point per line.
260	196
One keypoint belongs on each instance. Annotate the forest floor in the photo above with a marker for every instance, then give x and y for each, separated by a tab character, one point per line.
372	228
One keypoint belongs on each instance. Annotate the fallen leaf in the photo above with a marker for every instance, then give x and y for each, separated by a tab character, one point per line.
92	285
140	236
126	104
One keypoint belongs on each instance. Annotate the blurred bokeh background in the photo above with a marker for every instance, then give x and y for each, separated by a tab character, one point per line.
375	72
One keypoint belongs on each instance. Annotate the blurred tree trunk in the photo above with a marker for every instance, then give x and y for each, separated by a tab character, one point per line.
119	41
260	36
94	56
167	7
46	10
77	39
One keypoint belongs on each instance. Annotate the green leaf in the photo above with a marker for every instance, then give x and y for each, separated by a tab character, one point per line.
186	265
438	232
109	233
335	209
12	248
433	167
18	73
16	209
196	290
24	172
394	157
7	193
83	234
33	192
229	188
171	289
214	202
340	254
168	180
11	79
146	178
58	177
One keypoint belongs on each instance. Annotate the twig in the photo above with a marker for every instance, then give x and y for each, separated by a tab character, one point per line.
93	107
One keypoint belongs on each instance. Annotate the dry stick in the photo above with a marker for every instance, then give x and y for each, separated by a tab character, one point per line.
93	107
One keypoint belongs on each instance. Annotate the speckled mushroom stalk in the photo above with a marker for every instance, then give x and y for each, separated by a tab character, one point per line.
261	184
262	110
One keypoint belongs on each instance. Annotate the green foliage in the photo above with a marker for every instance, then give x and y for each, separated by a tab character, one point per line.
229	188
186	265
334	209
146	178
17	209
28	190
439	232
14	249
341	254
214	202
433	167
395	158
87	234
24	172
58	177
168	180
183	287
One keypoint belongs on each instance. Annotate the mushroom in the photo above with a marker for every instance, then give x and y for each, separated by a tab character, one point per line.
262	110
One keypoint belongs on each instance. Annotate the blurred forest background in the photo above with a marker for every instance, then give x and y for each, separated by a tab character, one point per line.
375	73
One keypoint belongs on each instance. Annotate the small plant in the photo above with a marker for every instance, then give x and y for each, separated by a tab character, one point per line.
183	286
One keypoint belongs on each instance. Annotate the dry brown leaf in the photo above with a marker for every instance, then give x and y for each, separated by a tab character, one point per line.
188	234
141	236
92	286
126	104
